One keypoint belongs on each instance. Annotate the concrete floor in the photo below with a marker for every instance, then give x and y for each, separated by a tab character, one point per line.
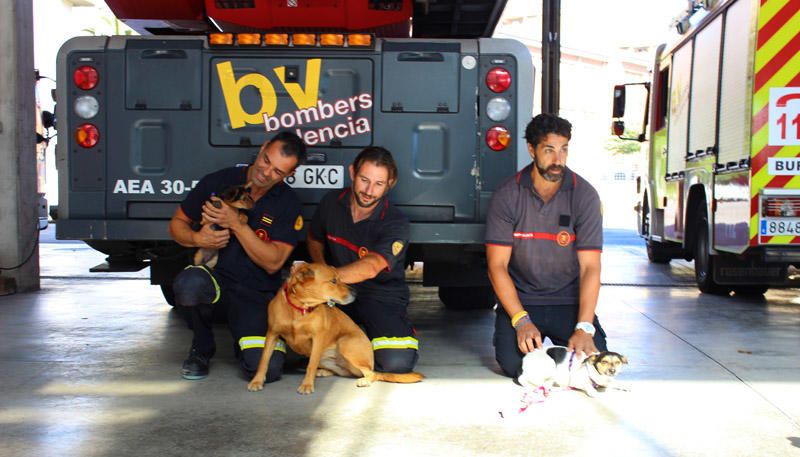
89	366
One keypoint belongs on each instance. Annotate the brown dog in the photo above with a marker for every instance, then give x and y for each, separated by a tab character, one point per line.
237	197
304	315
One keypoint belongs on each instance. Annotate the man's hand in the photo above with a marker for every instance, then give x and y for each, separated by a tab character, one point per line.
225	215
210	238
528	337
581	341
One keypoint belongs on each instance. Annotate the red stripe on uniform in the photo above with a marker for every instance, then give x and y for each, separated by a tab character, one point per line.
539	236
777	62
779	20
344	243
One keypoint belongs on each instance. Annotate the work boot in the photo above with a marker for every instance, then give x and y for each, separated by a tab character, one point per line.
195	366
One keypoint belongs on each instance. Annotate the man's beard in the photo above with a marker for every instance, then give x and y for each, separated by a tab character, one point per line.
545	173
362	204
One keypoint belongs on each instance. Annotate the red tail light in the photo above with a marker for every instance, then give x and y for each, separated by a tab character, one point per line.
497	138
781	207
87	135
498	79
85	77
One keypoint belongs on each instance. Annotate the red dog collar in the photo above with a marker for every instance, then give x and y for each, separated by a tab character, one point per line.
303	311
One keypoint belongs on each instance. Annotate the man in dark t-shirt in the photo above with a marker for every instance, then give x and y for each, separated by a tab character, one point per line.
365	237
251	255
544	236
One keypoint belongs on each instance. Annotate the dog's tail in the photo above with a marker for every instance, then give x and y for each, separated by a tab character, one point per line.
402	378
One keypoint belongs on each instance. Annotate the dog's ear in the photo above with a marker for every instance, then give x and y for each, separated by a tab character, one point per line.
591	359
303	273
623	359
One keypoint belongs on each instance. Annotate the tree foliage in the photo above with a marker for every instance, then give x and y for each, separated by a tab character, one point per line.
618	146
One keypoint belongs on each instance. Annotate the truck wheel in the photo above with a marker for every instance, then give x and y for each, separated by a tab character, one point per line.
658	252
703	260
169	294
467	298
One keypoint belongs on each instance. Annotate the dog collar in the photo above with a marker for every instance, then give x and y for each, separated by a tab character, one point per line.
303	311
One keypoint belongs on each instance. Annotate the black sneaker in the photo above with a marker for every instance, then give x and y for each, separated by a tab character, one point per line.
195	366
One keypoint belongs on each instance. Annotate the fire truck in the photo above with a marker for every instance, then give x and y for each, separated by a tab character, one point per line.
722	129
144	117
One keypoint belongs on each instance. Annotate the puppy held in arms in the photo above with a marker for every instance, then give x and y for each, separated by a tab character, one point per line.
304	314
557	366
237	197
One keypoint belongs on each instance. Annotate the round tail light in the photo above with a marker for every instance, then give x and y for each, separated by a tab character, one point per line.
497	138
498	79
87	135
85	77
498	109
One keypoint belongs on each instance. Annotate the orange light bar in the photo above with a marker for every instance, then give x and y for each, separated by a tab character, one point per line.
331	39
220	38
276	39
248	39
304	39
359	39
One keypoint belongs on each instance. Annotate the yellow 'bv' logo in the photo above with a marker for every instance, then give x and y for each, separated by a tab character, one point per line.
231	88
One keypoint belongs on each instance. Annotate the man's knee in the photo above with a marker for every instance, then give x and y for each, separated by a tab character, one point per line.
395	360
194	286
250	358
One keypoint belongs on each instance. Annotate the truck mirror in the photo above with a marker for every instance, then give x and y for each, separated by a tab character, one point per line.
617	128
619	101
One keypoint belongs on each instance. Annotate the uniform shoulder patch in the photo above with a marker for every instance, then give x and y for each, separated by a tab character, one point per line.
298	223
397	246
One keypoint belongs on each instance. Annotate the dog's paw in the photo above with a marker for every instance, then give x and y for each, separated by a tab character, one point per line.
255	386
324	373
305	389
363	382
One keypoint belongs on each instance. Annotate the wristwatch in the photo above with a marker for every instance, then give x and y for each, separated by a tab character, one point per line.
586	327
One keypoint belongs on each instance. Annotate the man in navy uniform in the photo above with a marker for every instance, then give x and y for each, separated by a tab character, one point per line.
544	236
251	255
365	237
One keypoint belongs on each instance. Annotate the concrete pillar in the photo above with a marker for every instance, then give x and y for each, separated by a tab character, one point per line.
18	201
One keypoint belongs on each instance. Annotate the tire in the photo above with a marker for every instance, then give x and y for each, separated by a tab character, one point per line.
703	260
169	294
467	298
658	252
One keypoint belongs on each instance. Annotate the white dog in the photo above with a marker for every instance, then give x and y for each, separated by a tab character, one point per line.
543	369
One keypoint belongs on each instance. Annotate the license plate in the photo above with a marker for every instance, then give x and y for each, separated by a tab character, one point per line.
317	177
780	226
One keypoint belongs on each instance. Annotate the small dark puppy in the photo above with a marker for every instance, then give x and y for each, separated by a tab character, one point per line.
557	366
237	197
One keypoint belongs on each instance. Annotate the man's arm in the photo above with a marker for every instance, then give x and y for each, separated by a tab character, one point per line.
180	228
269	255
589	262
498	257
362	269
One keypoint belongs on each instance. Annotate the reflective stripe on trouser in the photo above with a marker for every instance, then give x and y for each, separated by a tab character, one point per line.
395	354
250	342
400	342
188	279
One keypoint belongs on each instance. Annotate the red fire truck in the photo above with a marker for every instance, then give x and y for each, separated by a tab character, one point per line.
722	182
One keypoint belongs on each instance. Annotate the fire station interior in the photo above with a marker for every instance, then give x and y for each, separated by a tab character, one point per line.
90	363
